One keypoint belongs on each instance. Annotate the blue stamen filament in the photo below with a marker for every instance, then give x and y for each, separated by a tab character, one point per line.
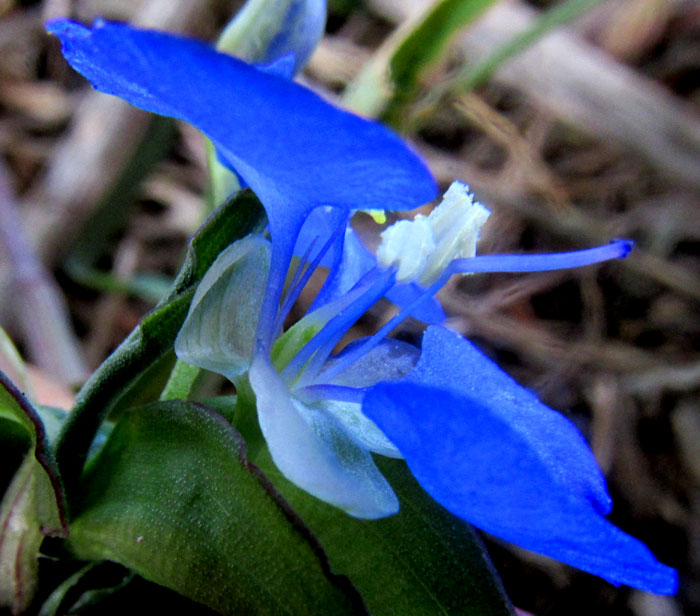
303	263
373	285
617	249
282	248
294	289
484	264
341	393
338	327
299	281
352	356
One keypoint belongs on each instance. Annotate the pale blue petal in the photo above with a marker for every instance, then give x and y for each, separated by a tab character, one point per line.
219	331
360	428
472	461
449	361
391	360
313	450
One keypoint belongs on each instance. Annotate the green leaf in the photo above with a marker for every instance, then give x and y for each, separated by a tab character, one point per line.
154	337
33	505
146	387
390	79
52	604
15	442
423	560
181	381
53	419
96	598
172	496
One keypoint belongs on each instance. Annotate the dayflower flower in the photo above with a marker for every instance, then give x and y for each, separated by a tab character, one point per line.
480	444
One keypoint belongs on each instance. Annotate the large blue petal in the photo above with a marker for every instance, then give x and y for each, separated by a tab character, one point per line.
472	461
449	361
284	140
292	148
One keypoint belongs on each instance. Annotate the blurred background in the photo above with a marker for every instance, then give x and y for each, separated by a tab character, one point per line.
575	122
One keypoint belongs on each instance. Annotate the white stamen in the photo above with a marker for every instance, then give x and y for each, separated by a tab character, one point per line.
407	244
422	248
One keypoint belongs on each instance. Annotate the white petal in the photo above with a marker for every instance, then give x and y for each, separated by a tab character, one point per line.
219	331
390	360
313	450
361	428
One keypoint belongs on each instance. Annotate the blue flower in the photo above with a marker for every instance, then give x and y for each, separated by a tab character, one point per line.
480	444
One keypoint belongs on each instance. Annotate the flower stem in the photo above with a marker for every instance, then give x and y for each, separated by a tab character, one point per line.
181	381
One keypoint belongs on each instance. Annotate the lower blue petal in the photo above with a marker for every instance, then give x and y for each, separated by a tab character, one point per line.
474	464
449	361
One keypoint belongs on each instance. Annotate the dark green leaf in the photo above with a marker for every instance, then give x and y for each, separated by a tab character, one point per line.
146	387
108	589
423	560
32	506
53	419
15	443
154	337
97	597
172	496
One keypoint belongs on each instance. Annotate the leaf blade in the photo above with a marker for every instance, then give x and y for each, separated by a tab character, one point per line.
422	560
32	507
153	338
173	479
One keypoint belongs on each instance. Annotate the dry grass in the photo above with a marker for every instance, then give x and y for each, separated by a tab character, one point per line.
594	134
